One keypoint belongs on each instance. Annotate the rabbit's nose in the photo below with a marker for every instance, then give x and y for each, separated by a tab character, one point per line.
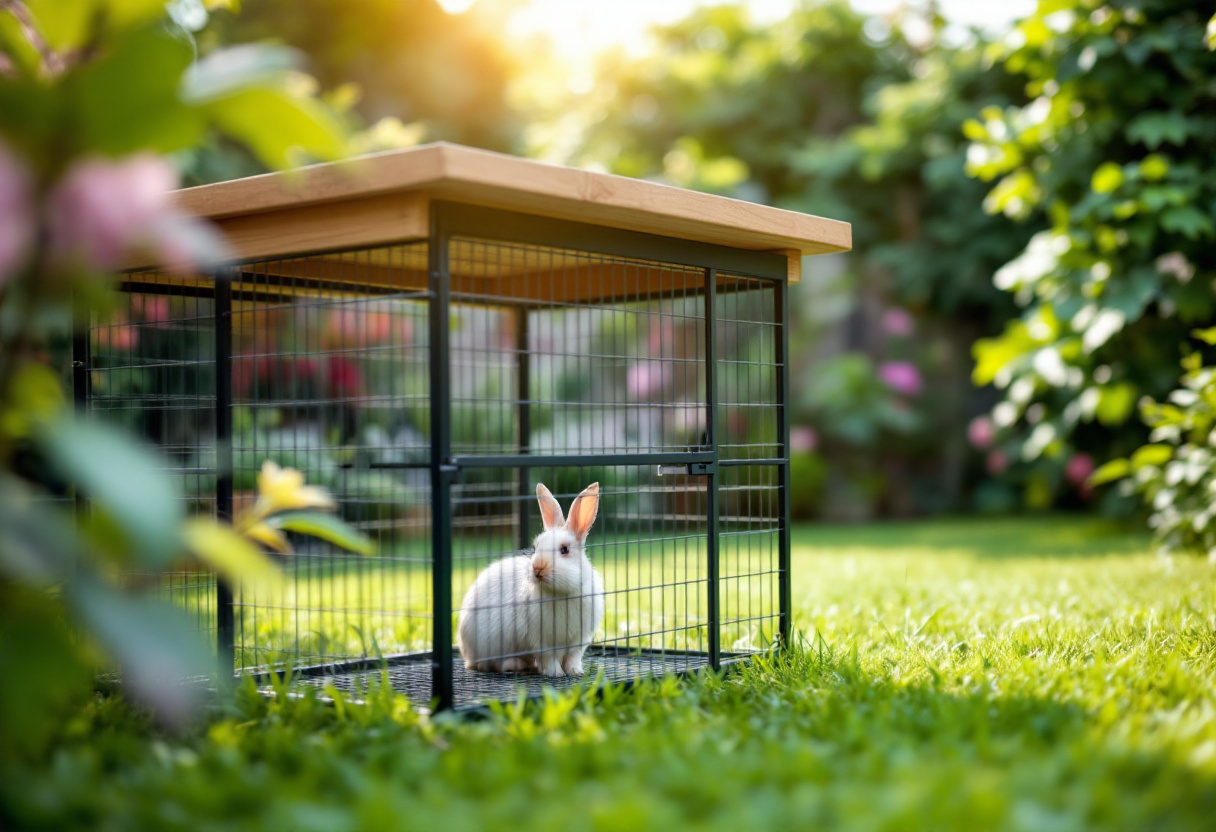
539	569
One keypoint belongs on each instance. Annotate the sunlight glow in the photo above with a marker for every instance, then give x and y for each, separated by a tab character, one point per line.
581	29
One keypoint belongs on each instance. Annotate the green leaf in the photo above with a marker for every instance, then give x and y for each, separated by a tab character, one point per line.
326	527
1154	167
1188	221
122	479
1207	336
277	127
46	678
1116	469
1151	455
38	544
156	644
1107	178
128	100
227	71
1155	128
69	24
230	554
1115	403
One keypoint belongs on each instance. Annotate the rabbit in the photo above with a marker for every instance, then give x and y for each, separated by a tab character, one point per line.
538	612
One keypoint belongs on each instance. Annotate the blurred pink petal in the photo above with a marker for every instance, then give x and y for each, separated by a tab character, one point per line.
901	376
898	322
997	462
646	378
803	439
118	334
1078	468
981	432
16	215
101	208
184	243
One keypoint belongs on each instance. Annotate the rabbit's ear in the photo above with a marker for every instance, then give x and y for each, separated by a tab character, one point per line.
550	511
582	513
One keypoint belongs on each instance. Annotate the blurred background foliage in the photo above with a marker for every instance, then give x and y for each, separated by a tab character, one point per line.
1032	222
1115	147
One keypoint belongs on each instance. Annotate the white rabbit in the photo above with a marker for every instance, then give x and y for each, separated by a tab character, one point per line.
538	612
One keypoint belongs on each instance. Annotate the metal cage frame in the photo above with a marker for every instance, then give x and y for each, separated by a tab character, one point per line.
449	220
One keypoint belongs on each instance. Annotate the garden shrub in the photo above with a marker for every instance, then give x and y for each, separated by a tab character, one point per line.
1176	474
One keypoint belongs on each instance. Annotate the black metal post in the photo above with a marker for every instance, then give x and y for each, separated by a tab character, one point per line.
782	350
225	619
523	384
441	464
712	596
81	360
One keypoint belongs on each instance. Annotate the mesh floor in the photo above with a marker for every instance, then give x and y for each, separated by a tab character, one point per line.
411	675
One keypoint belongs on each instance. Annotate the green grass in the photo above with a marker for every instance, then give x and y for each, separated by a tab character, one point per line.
345	606
1038	674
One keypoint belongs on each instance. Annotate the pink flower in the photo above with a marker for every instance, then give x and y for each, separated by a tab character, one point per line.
154	309
1078	468
900	376
405	329
119	334
646	378
803	439
16	215
981	433
102	209
997	462
898	322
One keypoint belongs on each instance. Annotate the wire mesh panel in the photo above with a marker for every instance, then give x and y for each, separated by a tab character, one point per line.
579	353
330	377
151	370
643	613
751	515
431	387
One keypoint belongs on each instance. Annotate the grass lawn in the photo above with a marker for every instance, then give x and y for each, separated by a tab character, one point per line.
1036	674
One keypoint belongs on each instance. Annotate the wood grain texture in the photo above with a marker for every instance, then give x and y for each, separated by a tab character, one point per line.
495	180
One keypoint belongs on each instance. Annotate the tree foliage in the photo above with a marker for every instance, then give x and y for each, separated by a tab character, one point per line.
837	114
1115	147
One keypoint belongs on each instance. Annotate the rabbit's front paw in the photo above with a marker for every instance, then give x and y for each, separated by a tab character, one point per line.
573	665
551	666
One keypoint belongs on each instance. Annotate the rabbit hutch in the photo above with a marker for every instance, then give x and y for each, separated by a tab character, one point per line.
429	334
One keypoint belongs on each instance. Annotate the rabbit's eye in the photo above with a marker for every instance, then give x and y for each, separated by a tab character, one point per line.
565	550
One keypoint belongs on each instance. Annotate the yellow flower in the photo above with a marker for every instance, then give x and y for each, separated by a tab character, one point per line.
283	489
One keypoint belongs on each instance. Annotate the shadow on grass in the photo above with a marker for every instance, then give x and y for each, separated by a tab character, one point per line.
1000	537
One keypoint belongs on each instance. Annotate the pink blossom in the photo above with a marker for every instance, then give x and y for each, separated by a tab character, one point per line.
103	209
663	333
16	215
900	376
1078	468
646	378
898	322
997	462
154	310
803	439
119	334
405	329
981	433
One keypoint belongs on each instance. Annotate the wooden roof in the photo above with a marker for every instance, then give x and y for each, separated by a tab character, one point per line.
384	198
